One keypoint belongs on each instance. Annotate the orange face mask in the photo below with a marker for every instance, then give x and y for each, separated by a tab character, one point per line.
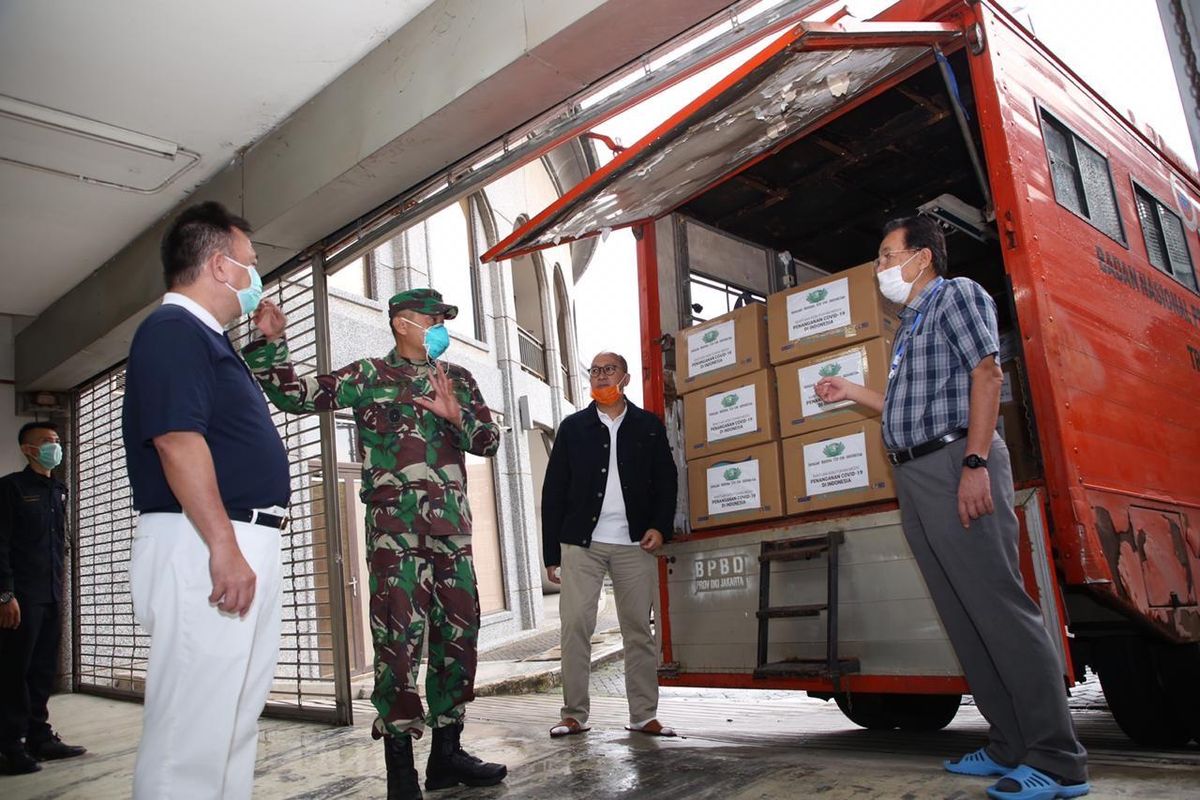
606	395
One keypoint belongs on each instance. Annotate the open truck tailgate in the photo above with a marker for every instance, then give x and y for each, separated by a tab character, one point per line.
813	72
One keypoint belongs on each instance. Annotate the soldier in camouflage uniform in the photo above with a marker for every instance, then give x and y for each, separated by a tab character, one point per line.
416	418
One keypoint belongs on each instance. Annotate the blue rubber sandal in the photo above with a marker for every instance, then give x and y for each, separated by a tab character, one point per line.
1037	785
978	763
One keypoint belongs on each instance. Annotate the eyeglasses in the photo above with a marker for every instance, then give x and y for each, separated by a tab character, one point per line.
607	369
891	253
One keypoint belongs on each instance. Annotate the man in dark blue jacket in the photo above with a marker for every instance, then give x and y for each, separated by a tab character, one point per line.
608	503
33	513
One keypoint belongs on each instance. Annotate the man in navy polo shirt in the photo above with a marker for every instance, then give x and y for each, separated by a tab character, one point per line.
954	484
210	482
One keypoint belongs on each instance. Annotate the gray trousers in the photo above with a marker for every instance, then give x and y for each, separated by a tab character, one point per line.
635	583
996	629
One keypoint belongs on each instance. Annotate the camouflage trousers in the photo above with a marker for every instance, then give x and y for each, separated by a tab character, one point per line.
421	582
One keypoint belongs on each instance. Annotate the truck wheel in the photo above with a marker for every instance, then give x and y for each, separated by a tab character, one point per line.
909	712
1178	668
866	710
924	712
1139	701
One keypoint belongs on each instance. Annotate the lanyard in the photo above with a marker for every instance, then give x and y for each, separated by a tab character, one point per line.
908	334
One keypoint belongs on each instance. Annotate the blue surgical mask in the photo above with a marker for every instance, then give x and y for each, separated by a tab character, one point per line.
436	339
50	455
251	296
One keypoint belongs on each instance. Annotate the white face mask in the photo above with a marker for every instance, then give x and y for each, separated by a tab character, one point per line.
892	284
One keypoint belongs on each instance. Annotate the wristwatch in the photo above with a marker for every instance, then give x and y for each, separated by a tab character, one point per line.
974	462
5	598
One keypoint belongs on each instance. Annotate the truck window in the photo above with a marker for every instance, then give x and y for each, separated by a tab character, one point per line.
1166	243
712	297
1082	181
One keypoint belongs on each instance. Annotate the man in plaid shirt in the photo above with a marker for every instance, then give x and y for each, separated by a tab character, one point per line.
954	483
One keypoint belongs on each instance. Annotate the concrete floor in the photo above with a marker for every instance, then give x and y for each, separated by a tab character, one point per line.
736	745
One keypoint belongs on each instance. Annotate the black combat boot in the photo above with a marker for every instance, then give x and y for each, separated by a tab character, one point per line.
402	780
449	764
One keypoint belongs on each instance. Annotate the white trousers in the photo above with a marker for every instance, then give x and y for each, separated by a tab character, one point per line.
209	672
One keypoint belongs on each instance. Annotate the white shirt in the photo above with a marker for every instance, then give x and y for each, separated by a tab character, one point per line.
200	312
613	525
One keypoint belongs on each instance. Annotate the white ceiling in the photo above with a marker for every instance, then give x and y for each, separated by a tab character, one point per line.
211	77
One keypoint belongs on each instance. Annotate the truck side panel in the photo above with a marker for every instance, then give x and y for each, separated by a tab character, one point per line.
1110	341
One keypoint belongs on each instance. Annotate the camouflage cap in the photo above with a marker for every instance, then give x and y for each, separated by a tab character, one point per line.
424	301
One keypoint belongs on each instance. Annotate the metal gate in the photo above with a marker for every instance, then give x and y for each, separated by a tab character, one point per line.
111	651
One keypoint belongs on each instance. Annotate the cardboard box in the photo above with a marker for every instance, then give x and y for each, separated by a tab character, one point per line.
739	486
801	412
827	314
1013	425
835	467
731	415
713	352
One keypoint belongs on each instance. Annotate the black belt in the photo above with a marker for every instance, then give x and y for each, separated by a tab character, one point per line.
897	457
257	517
250	515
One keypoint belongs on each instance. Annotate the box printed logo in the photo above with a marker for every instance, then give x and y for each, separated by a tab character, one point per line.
712	348
733	488
830	369
819	311
733	412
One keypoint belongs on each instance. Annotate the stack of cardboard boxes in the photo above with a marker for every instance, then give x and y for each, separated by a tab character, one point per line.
759	443
833	453
731	431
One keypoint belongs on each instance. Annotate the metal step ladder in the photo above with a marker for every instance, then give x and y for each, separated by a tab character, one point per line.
802	549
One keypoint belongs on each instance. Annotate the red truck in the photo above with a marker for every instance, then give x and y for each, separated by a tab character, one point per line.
1082	228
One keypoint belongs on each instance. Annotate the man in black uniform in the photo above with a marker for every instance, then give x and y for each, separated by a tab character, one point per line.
32	529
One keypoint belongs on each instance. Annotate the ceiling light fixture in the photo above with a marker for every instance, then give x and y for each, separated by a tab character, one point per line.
88	128
74	125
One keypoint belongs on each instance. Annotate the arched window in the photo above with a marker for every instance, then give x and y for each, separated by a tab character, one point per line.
529	297
563	324
452	266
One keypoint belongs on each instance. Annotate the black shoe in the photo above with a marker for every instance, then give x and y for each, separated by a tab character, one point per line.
53	749
449	764
402	780
18	762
